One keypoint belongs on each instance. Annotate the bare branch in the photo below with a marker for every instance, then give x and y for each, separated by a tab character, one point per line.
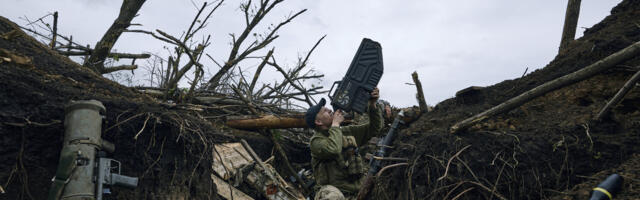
118	68
299	68
110	55
128	11
259	70
234	58
152	34
306	95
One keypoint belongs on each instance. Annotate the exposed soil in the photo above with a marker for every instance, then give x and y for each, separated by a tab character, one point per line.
172	155
546	149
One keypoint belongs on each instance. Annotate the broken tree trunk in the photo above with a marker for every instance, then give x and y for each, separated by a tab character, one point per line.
420	96
251	122
589	71
128	11
618	97
266	122
55	30
570	23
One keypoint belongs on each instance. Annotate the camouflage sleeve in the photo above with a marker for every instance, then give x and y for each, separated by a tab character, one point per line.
364	132
327	147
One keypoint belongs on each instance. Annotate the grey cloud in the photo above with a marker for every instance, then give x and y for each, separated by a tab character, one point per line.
452	44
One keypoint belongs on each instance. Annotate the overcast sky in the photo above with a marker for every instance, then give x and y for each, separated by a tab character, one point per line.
451	44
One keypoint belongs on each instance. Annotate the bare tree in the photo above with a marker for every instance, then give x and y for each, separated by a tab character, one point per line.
128	11
253	16
184	46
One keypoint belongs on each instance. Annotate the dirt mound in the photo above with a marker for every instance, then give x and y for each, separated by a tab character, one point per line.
542	149
168	156
547	148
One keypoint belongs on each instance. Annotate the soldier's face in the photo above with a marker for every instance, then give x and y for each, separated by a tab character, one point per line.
324	117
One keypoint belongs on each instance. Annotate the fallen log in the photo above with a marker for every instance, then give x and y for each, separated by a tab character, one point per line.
584	73
266	122
252	122
616	98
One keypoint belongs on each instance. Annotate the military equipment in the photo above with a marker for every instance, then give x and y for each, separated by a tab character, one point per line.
363	75
77	176
307	180
109	174
375	164
608	188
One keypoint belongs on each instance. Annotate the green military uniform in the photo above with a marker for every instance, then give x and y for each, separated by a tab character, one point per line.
331	165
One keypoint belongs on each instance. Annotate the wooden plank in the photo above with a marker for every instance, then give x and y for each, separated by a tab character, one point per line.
233	155
225	190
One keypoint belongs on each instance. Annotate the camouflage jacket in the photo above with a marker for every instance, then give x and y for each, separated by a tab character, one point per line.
328	156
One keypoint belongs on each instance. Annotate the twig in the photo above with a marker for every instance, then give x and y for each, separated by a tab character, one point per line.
525	72
306	95
391	166
586	130
126	120
449	163
118	68
488	190
143	125
235	56
495	184
452	190
250	105
619	95
259	70
152	34
30	123
468	168
68	52
157	159
461	193
410	178
297	69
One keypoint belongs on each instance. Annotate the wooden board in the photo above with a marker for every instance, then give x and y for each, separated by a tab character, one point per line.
224	190
233	156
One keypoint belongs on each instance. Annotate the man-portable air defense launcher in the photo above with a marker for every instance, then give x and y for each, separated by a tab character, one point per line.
354	90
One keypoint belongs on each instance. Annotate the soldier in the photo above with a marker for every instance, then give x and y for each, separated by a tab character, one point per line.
337	167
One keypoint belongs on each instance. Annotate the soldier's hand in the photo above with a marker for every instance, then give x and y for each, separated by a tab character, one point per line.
375	95
338	117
